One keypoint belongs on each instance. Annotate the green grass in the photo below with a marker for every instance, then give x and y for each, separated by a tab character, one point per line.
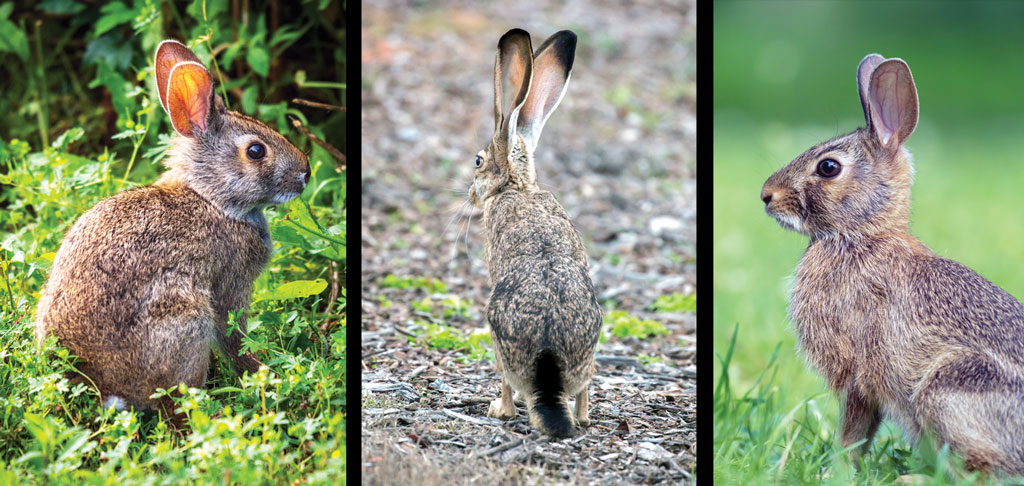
759	440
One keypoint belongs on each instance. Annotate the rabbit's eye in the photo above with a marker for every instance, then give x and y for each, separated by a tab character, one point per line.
829	168
479	161
256	151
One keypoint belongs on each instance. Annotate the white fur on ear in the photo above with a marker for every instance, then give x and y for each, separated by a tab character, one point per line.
552	69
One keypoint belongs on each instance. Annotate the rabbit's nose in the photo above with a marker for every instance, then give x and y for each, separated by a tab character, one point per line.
306	175
766	196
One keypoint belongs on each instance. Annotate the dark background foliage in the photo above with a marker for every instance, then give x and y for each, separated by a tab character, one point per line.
68	64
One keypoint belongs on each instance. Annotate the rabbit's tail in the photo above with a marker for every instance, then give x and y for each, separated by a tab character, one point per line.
551	413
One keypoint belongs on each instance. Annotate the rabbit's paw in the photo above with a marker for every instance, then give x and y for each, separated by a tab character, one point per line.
502	409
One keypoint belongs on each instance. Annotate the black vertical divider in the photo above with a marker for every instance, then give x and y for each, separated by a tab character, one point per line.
705	319
354	261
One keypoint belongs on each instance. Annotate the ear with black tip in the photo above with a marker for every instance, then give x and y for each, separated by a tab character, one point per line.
552	67
513	69
893	102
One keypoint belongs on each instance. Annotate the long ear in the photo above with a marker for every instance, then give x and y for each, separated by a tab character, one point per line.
552	66
189	93
513	69
893	99
864	70
168	54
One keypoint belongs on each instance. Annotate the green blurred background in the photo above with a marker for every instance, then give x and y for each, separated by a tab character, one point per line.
784	79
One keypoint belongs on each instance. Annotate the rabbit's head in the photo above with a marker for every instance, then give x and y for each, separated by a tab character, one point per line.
859	183
527	88
236	162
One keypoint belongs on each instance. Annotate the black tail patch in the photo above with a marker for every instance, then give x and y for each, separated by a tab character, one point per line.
549	407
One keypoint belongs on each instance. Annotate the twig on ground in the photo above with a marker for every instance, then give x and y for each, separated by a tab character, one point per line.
462	416
315	104
467	402
512	445
342	160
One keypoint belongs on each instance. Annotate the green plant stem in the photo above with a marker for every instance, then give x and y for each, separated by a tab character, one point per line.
131	161
322	84
43	94
213	58
7	282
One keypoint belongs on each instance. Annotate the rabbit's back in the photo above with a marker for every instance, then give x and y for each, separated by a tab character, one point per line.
881	313
135	262
542	296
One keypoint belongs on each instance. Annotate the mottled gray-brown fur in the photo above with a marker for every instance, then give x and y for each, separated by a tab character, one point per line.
544	315
900	331
143	283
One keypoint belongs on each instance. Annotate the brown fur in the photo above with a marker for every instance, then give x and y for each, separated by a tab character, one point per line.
543	312
902	332
143	283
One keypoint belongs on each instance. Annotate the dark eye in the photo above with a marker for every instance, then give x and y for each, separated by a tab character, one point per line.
256	151
829	168
479	161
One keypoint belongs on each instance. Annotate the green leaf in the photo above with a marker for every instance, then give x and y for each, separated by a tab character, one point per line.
114	14
249	99
67	138
12	38
295	290
285	35
107	76
259	59
111	48
289	235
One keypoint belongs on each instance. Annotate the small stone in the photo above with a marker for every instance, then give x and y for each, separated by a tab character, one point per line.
440	385
666	227
651	452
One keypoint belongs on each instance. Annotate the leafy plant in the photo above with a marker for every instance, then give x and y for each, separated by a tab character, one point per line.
675	302
622	324
474	346
431	285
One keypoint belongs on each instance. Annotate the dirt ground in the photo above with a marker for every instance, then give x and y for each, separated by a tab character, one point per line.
618	154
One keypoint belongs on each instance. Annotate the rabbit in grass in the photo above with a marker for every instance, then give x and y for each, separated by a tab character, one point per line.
898	330
543	312
142	285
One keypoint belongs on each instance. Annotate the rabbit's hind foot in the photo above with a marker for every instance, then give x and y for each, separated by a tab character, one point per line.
583	408
502	407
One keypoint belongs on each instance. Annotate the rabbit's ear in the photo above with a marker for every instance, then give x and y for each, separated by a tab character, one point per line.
513	69
168	54
893	100
864	70
552	66
189	97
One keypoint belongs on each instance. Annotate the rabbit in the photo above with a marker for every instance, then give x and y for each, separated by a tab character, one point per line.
544	316
142	285
900	331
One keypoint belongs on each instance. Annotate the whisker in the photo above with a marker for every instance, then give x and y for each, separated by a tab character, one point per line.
469	226
458	233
